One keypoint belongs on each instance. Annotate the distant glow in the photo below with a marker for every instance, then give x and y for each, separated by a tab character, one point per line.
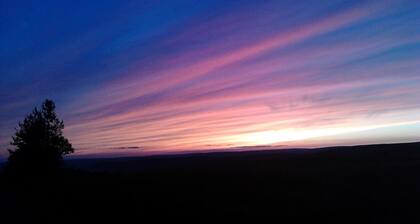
288	135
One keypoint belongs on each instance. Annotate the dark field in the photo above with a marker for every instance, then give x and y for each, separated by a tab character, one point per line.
362	184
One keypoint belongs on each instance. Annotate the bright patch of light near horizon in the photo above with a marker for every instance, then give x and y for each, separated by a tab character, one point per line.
289	135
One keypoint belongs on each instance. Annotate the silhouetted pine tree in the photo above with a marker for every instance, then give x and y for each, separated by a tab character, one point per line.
39	141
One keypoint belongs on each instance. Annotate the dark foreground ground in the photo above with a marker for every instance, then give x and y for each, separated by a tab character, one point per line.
361	184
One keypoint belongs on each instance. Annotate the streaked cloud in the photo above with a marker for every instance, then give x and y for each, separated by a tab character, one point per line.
246	74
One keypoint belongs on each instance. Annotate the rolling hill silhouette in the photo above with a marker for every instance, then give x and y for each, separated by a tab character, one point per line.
368	184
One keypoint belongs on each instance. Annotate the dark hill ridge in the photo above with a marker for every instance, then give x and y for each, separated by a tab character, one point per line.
379	153
357	184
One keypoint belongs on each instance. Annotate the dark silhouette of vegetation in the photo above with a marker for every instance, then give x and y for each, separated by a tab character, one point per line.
39	141
359	184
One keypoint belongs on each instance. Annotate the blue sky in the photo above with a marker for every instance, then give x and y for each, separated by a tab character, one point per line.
193	75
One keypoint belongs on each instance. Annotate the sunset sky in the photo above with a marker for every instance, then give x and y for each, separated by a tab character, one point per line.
139	77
